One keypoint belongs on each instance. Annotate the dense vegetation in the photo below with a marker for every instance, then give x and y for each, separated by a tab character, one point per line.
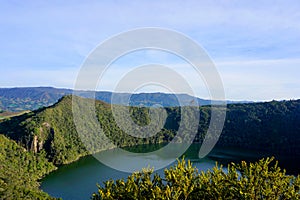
20	171
49	134
52	129
260	180
271	127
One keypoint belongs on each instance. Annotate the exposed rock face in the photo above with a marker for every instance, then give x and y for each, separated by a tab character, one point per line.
46	124
36	145
41	139
40	145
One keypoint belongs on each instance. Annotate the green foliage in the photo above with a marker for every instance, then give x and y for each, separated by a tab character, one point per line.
265	127
271	127
140	115
20	170
50	133
50	129
267	182
54	130
260	180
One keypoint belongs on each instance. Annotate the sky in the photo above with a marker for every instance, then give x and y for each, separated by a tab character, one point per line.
254	45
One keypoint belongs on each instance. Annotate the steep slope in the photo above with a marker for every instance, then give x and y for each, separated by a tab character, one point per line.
52	129
49	134
272	127
20	171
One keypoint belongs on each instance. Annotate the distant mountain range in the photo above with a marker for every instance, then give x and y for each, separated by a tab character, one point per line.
32	98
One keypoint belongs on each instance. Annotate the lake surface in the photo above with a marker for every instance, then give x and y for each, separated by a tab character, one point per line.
78	180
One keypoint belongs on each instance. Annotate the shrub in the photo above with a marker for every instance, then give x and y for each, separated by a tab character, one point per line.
260	180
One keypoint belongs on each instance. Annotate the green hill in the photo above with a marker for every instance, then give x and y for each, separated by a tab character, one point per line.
20	171
47	137
271	127
52	129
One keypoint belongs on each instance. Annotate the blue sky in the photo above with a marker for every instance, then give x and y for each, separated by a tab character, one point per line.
255	46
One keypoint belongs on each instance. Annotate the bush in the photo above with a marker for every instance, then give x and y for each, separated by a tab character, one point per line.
260	180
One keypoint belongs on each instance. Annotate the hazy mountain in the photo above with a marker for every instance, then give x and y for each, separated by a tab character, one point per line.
31	98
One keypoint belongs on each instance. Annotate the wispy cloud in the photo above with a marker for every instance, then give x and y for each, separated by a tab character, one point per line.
256	46
261	79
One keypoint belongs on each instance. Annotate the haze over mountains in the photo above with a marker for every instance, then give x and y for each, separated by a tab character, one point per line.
31	98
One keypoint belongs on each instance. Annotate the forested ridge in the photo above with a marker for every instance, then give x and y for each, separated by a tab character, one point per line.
271	127
50	133
20	171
